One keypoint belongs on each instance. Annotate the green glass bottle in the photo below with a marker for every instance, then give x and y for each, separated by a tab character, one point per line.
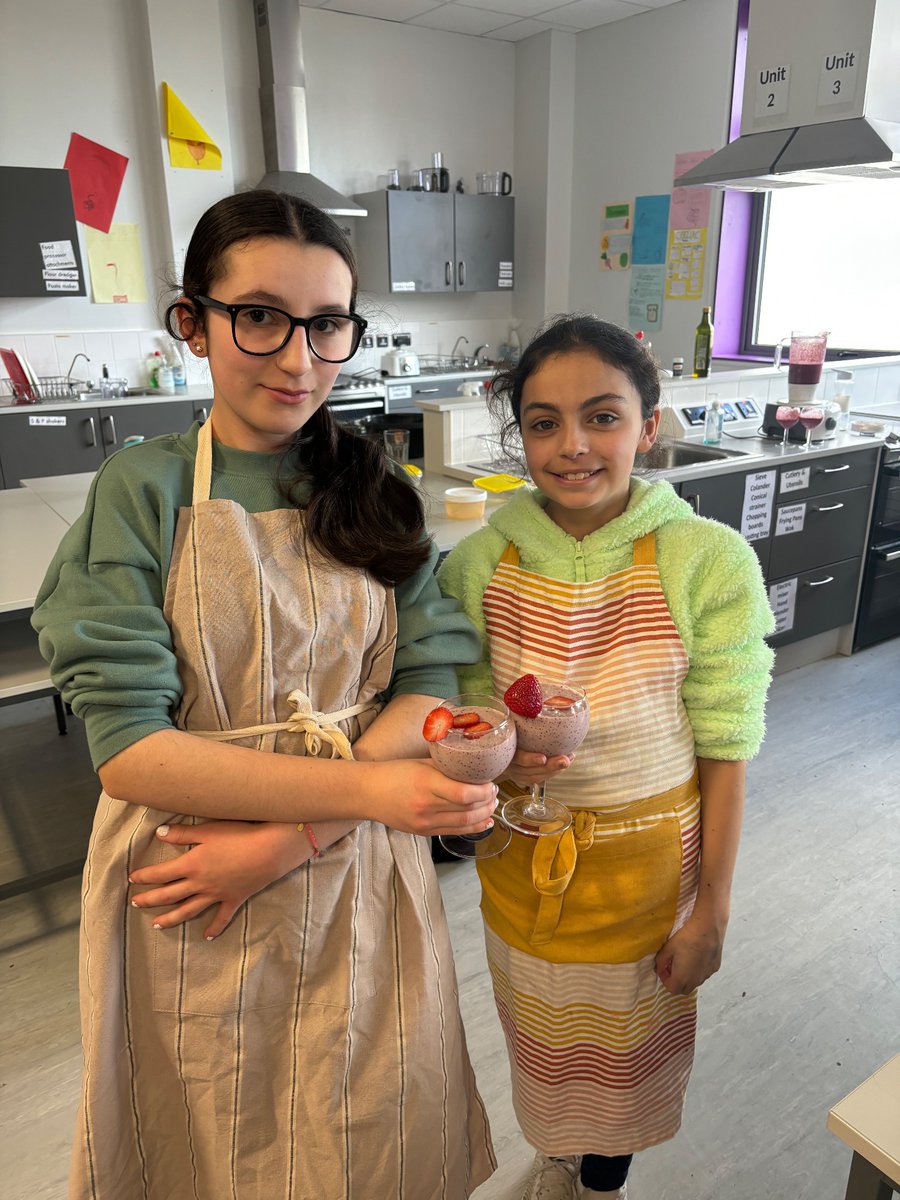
703	344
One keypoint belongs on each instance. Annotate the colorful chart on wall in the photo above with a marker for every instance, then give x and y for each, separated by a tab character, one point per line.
688	227
39	249
615	238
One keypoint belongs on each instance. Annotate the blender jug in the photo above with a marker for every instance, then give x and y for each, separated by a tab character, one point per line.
807	354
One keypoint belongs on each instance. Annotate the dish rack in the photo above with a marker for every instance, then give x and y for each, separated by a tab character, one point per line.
50	387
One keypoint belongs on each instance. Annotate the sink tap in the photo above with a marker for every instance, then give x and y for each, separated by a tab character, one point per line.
456	345
81	354
478	349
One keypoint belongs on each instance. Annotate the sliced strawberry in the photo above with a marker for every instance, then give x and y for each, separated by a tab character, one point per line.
465	720
479	730
525	696
437	725
559	702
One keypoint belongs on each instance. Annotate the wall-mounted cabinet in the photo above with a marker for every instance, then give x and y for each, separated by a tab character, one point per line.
435	242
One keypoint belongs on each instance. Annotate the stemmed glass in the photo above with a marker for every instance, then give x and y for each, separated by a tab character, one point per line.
559	728
810	418
787	417
476	744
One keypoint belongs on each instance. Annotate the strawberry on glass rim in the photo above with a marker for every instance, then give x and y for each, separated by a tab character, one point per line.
472	738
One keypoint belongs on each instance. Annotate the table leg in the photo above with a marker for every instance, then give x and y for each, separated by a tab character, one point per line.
867	1182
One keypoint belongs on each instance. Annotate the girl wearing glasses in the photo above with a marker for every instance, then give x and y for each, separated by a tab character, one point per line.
237	608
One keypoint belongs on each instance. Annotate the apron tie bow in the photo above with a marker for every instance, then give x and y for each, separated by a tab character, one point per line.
317	727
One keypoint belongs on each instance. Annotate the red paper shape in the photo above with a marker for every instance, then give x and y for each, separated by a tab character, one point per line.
95	174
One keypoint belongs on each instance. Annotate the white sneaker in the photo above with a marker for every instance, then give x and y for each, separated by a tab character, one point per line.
552	1178
617	1194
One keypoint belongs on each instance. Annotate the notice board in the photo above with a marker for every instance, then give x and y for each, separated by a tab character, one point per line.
38	236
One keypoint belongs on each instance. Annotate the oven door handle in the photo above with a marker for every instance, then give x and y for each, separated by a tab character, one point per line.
887	555
892	469
356	406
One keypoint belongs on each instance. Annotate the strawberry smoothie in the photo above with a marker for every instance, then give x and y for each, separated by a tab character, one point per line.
471	754
558	728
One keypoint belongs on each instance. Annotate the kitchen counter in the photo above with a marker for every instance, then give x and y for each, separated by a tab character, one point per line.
194	392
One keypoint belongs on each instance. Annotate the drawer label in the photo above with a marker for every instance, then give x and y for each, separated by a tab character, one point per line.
790	519
759	495
403	285
46	420
782	601
402	391
794	481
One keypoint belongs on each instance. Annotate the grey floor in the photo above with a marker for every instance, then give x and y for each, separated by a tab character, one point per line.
807	1003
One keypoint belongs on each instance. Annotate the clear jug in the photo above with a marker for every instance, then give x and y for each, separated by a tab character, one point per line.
807	354
494	183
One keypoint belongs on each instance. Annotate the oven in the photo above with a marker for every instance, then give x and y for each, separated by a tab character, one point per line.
879	605
352	398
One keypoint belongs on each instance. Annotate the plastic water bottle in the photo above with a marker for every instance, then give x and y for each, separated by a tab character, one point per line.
165	380
712	430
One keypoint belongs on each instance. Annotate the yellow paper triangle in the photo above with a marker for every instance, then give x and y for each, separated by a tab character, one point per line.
189	143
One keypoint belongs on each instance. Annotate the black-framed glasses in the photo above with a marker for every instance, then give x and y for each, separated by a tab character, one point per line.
260	329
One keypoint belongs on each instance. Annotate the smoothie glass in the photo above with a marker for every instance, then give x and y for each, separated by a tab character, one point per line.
473	756
559	728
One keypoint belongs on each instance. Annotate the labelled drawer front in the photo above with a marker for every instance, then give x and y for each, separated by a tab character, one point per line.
814	601
835	472
400	395
818	530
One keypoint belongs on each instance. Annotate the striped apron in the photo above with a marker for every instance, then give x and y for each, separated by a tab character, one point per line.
600	1052
313	1051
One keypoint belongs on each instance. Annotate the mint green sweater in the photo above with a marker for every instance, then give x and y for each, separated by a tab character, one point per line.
711	580
99	610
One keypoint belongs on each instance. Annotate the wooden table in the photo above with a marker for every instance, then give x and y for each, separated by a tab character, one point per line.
868	1120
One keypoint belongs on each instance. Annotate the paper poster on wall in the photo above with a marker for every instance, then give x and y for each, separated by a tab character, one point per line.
645	298
95	175
189	143
651	226
116	265
690	206
685	264
615	240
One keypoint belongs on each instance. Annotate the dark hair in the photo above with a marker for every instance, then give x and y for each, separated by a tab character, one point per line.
358	512
565	334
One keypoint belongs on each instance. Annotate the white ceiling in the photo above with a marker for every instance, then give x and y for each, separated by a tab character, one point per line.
509	20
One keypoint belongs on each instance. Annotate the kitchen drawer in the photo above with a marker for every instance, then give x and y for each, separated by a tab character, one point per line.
819	530
144	420
836	472
721	497
34	443
815	601
400	395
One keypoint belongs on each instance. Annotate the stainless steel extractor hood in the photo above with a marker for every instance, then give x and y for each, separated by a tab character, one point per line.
821	98
282	95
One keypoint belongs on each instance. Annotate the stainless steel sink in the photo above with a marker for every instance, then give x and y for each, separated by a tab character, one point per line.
435	364
95	396
671	454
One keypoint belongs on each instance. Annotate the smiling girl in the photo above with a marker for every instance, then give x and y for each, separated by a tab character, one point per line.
247	620
598	938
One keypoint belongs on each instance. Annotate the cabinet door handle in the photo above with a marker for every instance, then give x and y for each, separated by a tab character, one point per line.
90	423
426	391
201	411
828	507
834	470
112	428
462	273
448	273
819	582
694	502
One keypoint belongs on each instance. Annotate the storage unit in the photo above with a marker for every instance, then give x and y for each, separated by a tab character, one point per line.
435	242
38	440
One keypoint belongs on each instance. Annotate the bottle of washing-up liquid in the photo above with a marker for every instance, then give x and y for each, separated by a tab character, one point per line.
712	430
154	362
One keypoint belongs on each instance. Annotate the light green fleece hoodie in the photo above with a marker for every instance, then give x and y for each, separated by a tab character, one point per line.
710	577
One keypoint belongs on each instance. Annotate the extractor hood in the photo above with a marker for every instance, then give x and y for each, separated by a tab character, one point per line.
282	96
821	99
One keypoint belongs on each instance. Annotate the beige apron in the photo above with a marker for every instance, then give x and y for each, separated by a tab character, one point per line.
314	1051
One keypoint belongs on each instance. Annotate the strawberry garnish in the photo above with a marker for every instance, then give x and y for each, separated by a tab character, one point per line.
479	730
525	696
437	725
559	702
465	720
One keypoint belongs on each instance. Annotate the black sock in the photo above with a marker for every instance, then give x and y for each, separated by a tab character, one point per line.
604	1174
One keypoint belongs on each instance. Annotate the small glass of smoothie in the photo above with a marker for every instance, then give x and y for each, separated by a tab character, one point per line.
472	738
